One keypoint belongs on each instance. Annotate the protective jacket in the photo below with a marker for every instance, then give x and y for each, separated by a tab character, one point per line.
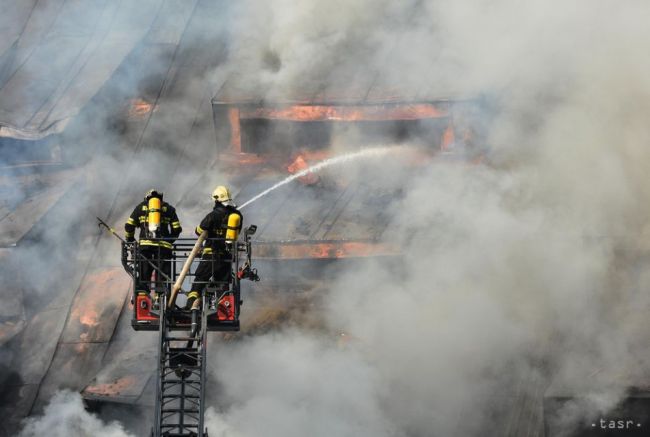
170	226
216	223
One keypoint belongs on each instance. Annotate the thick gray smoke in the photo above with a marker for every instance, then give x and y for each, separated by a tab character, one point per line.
111	153
305	384
523	269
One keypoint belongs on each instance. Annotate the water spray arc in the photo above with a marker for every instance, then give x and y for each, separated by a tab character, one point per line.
375	151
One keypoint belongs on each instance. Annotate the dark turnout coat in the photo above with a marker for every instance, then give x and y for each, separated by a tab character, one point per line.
216	223
170	226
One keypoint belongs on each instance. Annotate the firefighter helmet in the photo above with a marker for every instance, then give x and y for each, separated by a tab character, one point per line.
221	194
153	193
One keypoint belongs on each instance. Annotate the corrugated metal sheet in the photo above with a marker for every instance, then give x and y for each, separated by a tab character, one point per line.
62	53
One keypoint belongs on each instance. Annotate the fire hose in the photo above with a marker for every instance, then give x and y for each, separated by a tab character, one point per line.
186	268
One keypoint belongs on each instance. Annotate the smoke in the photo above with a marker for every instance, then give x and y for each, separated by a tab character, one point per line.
309	385
111	154
524	269
65	416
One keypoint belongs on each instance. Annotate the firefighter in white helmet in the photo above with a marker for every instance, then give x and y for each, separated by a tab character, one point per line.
223	225
159	227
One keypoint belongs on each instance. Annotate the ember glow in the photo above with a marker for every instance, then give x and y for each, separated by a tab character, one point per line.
101	295
139	108
477	293
89	318
325	250
299	164
415	111
114	388
235	129
342	159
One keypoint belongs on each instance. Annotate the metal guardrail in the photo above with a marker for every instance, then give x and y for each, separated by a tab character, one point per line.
180	391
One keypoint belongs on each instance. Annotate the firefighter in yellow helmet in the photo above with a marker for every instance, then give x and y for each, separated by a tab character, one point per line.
159	227
223	224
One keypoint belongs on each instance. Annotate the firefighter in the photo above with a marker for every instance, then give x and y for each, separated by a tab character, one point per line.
159	227
223	224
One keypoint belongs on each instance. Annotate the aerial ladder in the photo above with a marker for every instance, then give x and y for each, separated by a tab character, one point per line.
182	332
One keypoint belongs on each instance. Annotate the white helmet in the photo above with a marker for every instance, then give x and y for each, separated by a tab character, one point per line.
153	193
221	194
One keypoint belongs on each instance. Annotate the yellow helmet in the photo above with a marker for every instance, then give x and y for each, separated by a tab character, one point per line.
221	194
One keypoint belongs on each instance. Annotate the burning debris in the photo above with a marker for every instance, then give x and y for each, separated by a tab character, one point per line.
111	389
334	112
311	250
100	298
269	129
140	108
300	165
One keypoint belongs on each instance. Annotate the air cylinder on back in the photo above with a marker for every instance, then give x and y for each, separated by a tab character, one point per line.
234	222
154	207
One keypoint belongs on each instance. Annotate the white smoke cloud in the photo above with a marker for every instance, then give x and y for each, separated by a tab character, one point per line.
302	385
65	416
525	267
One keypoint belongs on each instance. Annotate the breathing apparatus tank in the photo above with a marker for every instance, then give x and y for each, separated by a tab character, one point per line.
234	221
154	207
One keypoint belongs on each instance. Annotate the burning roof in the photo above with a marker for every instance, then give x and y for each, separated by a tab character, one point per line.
258	121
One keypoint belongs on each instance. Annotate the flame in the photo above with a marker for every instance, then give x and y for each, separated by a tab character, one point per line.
323	250
89	318
413	111
315	155
139	108
448	138
100	297
242	159
235	129
300	164
114	388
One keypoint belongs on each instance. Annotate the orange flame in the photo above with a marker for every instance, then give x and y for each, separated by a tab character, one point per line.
413	111
101	294
111	389
90	318
324	250
299	164
139	108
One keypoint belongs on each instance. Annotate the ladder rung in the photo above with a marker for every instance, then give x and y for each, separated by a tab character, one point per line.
177	349
180	434
171	375
188	434
175	432
180	410
173	369
192	383
178	426
182	350
186	381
